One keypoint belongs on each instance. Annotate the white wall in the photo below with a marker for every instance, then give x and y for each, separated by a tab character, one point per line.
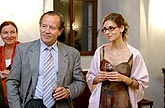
152	40
26	16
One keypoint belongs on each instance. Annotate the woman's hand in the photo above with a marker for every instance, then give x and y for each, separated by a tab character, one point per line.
100	77
4	73
115	76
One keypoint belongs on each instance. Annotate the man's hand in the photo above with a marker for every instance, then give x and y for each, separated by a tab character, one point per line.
60	93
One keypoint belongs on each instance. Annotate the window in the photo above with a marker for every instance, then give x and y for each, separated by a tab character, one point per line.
80	24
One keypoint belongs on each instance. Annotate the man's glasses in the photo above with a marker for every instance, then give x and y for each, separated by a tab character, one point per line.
110	29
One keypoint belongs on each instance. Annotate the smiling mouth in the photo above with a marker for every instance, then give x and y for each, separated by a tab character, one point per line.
9	39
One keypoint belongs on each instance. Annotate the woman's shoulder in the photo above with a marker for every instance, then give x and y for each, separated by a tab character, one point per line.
1	48
100	47
133	49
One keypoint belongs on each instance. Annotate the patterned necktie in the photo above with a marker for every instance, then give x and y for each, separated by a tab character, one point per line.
48	79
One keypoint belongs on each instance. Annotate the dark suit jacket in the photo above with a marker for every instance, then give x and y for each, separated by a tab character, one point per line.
25	69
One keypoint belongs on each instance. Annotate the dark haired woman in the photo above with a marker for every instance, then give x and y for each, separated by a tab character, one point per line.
9	35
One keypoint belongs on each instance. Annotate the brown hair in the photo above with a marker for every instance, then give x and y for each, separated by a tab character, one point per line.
8	23
120	21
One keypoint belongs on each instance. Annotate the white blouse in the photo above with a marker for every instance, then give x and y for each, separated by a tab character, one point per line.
8	62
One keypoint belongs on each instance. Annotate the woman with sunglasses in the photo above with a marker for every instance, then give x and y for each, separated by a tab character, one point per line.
118	75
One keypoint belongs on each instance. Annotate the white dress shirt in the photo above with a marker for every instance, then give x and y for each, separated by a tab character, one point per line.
39	88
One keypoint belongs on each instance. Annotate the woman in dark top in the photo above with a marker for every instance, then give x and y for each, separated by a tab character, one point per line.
115	92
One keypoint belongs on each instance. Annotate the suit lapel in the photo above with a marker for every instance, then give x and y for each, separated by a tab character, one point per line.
34	63
62	63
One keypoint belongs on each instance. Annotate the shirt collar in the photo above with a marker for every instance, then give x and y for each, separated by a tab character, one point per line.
43	46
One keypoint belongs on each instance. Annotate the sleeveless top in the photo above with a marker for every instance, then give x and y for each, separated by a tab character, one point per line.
115	94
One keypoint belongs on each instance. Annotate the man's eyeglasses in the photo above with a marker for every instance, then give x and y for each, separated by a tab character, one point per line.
110	29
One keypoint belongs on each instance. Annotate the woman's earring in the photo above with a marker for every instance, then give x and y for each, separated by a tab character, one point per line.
122	29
